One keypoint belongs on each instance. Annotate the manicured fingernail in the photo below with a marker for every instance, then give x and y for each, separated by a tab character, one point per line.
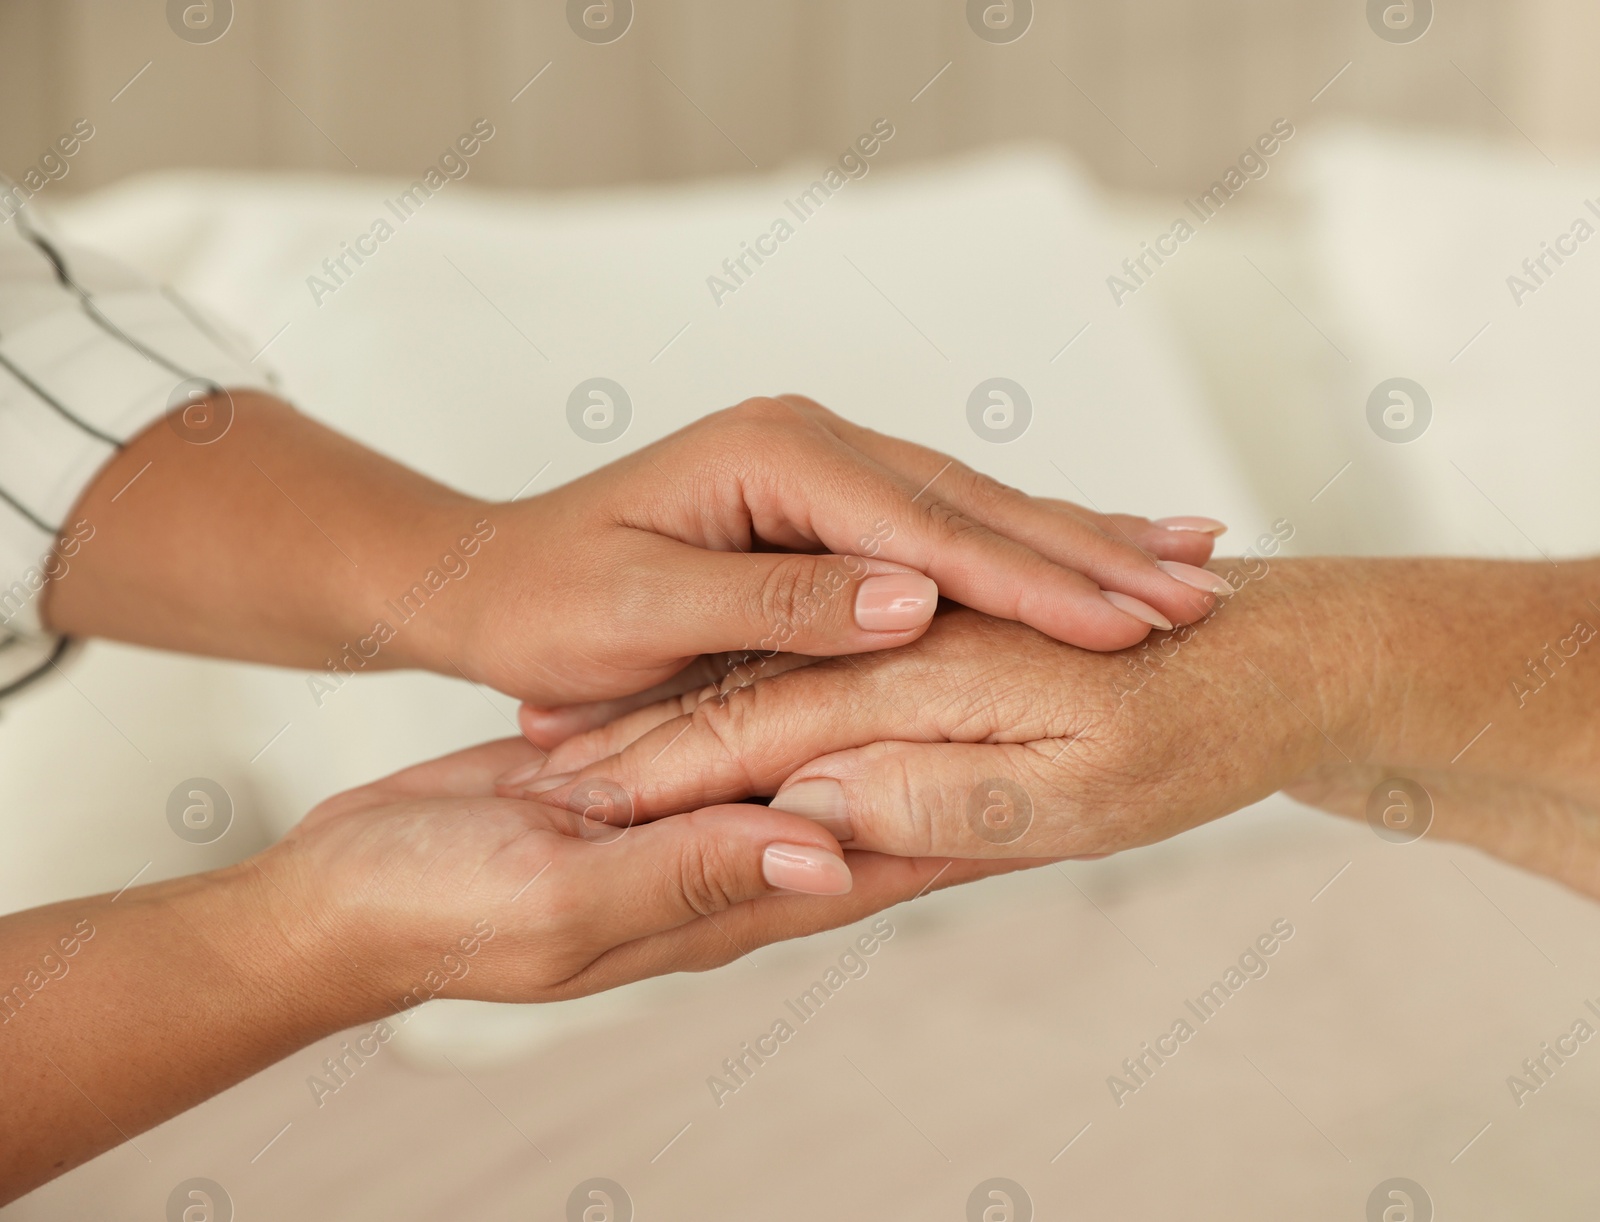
1140	611
822	801
1193	575
803	868
893	602
522	773
1206	526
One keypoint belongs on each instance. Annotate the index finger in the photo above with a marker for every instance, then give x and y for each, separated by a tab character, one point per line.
827	492
1113	550
729	749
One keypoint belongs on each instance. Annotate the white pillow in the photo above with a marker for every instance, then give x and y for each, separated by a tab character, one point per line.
1416	238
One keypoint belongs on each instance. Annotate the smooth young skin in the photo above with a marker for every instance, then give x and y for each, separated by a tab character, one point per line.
1322	677
373	903
774	524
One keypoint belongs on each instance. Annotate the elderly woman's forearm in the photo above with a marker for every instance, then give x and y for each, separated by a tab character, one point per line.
1485	667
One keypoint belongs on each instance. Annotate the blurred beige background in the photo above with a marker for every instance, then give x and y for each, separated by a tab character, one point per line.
1148	93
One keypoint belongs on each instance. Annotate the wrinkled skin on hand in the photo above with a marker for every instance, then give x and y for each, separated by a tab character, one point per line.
1319	677
1105	758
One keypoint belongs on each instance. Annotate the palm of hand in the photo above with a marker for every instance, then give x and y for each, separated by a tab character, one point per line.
426	883
431	858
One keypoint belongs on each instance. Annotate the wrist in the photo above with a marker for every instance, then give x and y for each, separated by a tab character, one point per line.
1345	645
483	615
1295	638
423	606
1479	667
298	980
365	943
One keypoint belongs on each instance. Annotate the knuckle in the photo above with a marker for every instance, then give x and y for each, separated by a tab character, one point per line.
809	408
743	436
690	701
1111	788
917	808
705	876
985	492
791	595
923	817
766	411
950	523
979	678
746	673
975	709
723	723
1043	771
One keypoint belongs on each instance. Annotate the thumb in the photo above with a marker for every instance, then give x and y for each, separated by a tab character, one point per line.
951	800
632	881
765	602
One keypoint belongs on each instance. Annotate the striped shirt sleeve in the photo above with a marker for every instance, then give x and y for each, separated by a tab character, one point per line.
90	355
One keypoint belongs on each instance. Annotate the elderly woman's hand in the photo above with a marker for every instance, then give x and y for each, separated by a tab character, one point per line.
983	739
986	739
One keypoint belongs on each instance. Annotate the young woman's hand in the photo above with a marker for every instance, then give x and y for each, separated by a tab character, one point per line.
438	887
778	526
771	526
422	885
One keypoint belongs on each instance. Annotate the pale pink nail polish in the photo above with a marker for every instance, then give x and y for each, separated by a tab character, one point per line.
1141	611
522	773
893	602
820	799
1205	526
803	868
1193	575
